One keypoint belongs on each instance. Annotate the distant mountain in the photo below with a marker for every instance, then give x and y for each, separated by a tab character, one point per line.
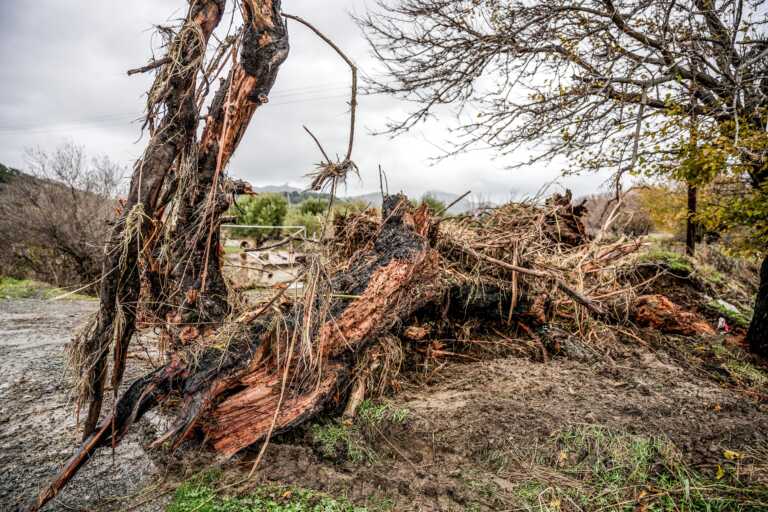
296	195
276	189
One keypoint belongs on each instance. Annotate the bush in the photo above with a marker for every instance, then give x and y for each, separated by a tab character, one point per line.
54	216
313	206
260	210
345	207
434	204
313	223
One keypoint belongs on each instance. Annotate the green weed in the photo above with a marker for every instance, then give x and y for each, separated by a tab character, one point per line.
676	262
336	441
339	441
596	468
200	495
734	317
11	288
746	373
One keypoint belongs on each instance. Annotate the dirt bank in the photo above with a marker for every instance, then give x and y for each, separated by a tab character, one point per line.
478	434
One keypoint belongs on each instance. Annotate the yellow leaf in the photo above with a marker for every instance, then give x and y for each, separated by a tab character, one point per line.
731	455
720	472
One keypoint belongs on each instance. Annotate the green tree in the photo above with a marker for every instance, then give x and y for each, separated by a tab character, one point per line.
260	210
313	206
312	222
434	205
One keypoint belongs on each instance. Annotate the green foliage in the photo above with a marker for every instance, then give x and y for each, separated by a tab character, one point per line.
674	261
667	208
313	206
200	495
260	210
735	317
371	414
6	173
313	223
344	207
338	441
741	215
747	374
434	204
716	158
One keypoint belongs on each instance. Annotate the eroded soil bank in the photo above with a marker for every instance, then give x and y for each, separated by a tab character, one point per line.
471	436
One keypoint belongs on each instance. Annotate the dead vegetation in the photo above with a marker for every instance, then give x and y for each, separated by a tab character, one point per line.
389	291
404	291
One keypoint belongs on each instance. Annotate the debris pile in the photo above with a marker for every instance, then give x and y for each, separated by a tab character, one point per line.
400	291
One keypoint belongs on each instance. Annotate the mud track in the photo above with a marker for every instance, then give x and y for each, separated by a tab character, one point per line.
37	424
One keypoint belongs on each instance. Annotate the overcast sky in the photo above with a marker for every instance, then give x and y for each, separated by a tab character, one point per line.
63	78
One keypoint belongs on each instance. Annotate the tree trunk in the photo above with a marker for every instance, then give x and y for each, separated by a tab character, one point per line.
690	224
121	276
757	336
265	378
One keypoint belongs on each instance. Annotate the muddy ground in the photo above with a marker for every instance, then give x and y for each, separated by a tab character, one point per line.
37	425
469	428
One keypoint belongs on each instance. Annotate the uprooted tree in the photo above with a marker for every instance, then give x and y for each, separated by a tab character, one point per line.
235	374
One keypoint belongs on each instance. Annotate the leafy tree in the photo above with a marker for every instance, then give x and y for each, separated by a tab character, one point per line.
606	83
312	222
313	206
261	210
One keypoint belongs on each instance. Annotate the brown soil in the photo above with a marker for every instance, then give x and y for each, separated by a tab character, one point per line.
476	413
444	457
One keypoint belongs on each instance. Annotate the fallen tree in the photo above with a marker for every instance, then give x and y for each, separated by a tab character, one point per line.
386	286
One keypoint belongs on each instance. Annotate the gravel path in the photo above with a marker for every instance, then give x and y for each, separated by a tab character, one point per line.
38	430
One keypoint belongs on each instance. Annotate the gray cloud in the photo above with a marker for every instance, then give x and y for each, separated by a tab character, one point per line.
63	77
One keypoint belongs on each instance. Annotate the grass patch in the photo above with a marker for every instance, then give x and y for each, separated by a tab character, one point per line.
674	261
735	317
746	374
200	495
339	441
595	468
371	414
11	288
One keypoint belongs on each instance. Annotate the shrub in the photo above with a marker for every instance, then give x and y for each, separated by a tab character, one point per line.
313	223
260	210
434	204
313	206
54	217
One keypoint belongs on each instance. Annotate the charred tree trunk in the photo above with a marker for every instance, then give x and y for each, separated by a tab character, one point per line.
757	336
266	380
121	273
